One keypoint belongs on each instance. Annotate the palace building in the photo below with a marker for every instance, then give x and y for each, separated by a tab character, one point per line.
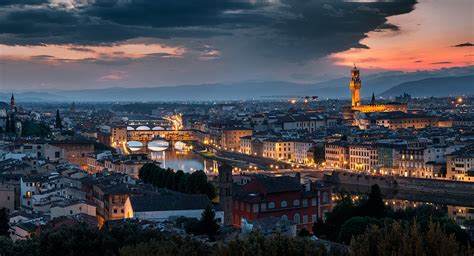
355	85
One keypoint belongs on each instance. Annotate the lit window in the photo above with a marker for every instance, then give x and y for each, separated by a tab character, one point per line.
296	202
283	204
271	205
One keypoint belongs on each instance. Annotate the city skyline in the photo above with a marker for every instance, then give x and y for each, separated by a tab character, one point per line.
102	44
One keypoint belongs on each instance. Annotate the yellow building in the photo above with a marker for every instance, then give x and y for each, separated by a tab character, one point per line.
355	85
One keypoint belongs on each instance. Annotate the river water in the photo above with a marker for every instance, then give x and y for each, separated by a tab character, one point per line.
186	160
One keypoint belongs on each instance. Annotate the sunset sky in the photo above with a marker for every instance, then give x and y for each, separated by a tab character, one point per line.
74	44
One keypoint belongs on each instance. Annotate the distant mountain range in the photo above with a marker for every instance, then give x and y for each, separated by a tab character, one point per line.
437	87
442	82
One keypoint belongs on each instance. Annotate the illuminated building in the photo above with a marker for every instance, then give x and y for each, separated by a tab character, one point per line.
460	165
355	85
337	154
230	137
363	157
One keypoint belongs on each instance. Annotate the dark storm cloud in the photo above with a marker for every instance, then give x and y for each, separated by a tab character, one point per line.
297	30
80	49
388	26
42	57
22	2
468	44
317	28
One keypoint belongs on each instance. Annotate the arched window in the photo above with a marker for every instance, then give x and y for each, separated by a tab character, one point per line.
296	202
271	205
284	217
296	218
283	204
325	197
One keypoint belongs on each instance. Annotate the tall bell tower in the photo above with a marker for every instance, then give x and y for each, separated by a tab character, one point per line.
355	85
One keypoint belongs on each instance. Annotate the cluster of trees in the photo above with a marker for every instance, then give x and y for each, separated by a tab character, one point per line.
10	125
402	238
207	225
4	222
31	128
130	239
191	183
350	220
86	240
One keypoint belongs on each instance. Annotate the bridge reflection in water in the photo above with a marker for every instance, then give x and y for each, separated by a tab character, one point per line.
186	161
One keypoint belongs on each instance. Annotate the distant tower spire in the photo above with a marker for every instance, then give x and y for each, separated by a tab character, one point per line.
372	102
12	102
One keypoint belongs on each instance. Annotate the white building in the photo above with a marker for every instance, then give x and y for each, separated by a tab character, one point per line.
168	206
74	207
301	149
363	157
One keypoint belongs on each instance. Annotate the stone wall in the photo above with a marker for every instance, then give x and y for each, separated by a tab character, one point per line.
414	189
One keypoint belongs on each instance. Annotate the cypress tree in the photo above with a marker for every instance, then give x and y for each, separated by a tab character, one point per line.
58	124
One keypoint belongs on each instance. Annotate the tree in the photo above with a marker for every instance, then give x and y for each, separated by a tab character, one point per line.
4	220
58	123
403	238
319	153
374	206
208	223
34	129
8	125
355	226
304	233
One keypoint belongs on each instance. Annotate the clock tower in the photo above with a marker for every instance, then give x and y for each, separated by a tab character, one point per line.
355	85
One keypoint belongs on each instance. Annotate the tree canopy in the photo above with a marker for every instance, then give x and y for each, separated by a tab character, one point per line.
191	183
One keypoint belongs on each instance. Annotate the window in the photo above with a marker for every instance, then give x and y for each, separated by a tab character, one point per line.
305	202
284	217
305	219
248	207
314	218
296	218
313	201
70	211
296	202
115	210
325	197
283	204
263	206
271	205
255	207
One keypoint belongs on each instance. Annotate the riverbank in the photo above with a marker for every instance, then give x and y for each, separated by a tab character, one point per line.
413	189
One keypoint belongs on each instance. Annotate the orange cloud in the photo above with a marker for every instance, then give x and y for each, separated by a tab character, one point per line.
78	53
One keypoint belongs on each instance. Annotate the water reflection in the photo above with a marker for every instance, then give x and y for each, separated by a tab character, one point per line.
186	160
461	215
